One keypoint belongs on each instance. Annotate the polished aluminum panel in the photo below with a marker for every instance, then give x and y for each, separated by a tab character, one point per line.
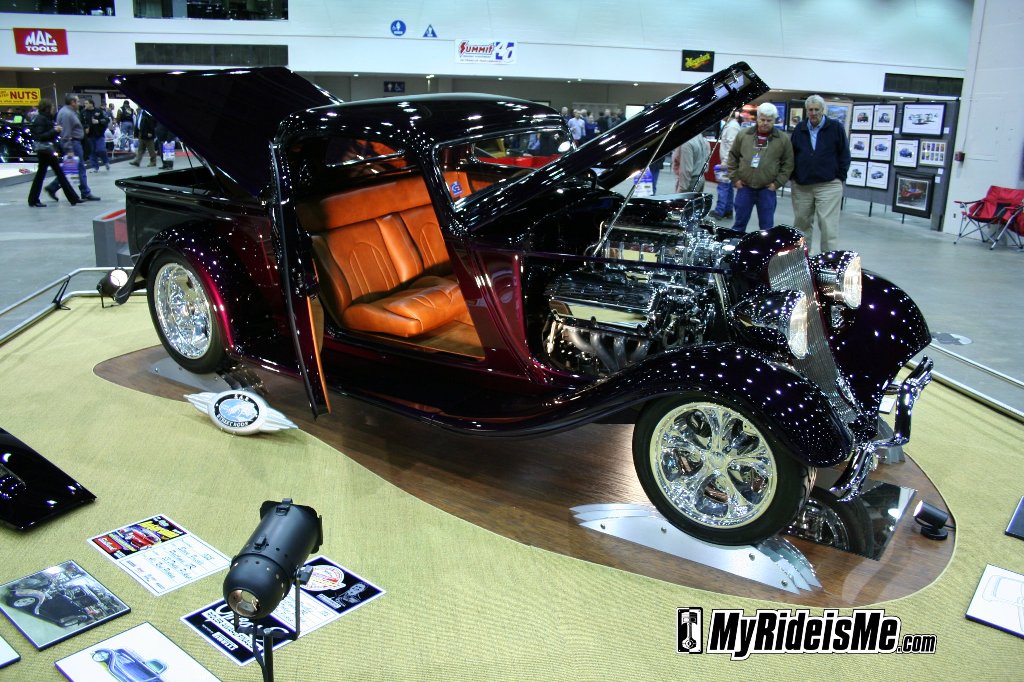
773	562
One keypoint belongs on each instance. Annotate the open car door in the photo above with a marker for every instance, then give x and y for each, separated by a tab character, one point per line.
298	279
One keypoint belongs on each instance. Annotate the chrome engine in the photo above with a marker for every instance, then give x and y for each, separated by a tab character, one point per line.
609	315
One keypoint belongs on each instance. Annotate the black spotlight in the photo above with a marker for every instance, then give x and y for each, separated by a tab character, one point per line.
932	521
262	573
111	282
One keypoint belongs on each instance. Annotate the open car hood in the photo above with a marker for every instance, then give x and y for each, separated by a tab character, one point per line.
631	145
229	117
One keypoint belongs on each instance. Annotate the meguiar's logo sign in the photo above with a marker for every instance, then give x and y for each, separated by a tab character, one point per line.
40	41
698	60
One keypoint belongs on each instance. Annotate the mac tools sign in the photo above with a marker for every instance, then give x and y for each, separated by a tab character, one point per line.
40	41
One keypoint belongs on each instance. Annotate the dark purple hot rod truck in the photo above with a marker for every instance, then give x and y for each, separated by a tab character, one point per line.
457	258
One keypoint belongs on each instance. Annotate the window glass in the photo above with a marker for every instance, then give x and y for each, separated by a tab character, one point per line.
95	8
489	161
362	157
236	10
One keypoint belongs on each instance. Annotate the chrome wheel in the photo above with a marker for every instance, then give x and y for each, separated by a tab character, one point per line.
184	315
713	465
182	311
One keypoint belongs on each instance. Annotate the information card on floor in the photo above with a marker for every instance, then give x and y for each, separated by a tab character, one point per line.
159	553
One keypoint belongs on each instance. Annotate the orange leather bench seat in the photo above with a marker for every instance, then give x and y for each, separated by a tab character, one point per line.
381	259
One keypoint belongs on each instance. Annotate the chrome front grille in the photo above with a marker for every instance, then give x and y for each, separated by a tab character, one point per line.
790	270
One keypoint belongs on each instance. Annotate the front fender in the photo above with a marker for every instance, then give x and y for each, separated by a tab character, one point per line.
877	339
794	410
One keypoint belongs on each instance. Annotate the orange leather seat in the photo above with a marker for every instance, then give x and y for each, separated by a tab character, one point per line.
382	261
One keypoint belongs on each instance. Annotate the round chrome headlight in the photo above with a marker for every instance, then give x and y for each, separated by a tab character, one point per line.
796	332
838	276
779	318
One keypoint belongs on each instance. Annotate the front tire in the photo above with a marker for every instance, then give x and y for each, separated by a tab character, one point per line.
715	472
184	315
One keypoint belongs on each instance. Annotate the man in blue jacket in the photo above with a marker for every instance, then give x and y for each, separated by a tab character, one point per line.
821	157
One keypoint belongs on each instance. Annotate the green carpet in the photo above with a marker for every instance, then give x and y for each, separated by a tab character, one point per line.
461	603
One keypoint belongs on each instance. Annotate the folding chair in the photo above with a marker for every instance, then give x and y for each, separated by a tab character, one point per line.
1000	209
1013	229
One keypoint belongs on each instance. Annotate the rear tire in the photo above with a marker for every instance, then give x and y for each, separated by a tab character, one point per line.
715	472
184	316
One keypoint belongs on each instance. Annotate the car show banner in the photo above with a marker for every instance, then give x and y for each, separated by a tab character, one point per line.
40	41
19	97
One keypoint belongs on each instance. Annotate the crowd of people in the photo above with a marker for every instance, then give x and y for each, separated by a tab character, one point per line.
583	125
757	160
76	138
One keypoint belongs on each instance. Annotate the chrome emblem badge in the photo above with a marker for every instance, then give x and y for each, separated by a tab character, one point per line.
240	412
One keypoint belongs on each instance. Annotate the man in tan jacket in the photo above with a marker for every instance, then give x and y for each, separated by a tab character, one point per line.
760	162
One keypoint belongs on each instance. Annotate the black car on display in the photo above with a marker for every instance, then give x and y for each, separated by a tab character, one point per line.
16	142
413	253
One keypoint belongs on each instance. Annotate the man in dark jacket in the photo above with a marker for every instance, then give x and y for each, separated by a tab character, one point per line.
95	121
145	130
821	156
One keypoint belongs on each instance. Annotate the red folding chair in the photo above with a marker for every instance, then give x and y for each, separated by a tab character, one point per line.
1001	212
1013	229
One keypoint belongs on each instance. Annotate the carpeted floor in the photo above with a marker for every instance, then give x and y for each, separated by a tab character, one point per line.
461	603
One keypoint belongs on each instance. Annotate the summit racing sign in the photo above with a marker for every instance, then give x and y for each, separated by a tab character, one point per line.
732	632
494	52
40	41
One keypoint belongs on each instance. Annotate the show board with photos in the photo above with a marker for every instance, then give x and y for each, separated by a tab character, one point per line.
900	154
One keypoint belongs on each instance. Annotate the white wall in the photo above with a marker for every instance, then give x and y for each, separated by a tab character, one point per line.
807	45
990	132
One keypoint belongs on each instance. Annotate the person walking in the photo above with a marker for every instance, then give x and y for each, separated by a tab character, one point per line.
821	157
760	162
145	130
46	134
126	124
723	207
689	160
95	121
71	135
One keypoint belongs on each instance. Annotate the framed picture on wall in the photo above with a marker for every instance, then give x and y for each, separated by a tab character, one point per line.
840	112
863	115
912	194
858	173
780	121
859	144
881	147
878	175
923	119
885	117
796	114
933	153
905	153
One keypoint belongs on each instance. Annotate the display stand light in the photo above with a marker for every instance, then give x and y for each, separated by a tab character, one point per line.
263	573
932	521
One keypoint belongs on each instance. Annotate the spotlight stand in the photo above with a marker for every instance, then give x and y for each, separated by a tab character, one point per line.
264	651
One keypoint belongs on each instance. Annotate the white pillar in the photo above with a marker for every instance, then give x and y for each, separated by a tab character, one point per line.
990	131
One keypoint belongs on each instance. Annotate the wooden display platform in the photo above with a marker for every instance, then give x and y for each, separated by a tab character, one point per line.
523	489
